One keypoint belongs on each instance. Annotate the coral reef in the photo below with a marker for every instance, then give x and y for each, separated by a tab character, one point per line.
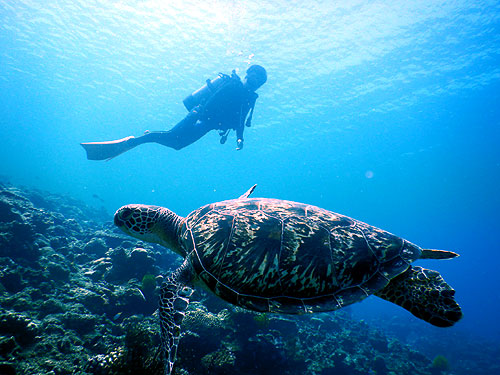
78	297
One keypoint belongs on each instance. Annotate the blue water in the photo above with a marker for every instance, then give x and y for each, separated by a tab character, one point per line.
383	111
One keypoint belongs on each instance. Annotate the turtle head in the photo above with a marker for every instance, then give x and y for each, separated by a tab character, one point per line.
151	224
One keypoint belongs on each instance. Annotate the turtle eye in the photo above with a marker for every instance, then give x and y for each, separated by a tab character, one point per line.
122	216
126	213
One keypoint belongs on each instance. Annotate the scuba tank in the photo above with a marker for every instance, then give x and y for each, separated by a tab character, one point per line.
206	91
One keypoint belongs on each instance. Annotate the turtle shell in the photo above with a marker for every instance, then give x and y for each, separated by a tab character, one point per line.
281	256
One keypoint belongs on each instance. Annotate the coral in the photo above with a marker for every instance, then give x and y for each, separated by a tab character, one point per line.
80	323
440	364
220	362
201	321
203	331
58	271
96	246
148	284
379	365
8	345
7	369
130	264
262	354
20	326
11	281
138	355
262	320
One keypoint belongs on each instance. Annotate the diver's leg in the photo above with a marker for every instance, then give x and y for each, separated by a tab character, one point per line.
181	135
187	131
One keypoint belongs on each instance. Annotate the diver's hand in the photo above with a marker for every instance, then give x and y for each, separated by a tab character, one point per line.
239	144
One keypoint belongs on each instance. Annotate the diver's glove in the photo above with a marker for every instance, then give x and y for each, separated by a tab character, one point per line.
239	144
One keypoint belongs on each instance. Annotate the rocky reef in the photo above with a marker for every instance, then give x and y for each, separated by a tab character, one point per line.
78	297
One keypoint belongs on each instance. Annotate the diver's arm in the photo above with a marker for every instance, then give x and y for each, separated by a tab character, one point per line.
239	135
241	115
245	119
240	126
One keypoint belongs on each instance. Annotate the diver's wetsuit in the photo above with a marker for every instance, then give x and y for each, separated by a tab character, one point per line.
226	109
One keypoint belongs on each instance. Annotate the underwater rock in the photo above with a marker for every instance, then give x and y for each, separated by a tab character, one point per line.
16	241
263	354
220	362
52	325
96	246
57	231
287	326
58	271
11	281
379	366
94	302
129	299
51	306
343	365
98	268
7	369
8	213
130	264
80	323
141	259
137	355
18	325
8	345
61	243
112	238
379	342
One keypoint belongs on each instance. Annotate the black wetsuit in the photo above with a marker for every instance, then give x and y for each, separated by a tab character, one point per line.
226	109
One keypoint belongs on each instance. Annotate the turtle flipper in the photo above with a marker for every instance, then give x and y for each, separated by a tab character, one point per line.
425	294
174	300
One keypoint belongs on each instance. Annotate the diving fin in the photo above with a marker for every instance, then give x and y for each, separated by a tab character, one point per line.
108	150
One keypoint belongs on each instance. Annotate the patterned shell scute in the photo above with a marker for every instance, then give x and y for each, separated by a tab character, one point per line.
274	255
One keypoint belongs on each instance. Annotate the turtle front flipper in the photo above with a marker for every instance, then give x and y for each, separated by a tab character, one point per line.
425	294
174	300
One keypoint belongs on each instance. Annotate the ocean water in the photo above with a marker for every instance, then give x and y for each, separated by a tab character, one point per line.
388	112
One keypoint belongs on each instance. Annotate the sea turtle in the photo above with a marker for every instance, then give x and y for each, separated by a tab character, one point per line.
273	255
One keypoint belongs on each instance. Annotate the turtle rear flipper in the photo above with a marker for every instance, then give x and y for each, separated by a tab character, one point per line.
174	300
425	294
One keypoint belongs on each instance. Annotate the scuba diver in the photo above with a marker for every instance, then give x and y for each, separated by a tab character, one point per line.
223	103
